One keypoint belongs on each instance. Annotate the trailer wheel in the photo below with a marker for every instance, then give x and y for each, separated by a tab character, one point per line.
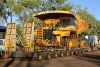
67	53
71	53
76	52
62	54
40	57
48	56
55	55
80	51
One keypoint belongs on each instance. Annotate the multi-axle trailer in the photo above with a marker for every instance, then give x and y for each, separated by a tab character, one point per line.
59	35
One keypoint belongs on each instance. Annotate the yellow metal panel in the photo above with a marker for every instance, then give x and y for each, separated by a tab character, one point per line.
56	32
10	37
51	21
28	34
70	44
81	26
65	33
58	38
57	11
62	33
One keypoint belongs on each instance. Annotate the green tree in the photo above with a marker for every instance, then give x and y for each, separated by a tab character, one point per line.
25	8
56	5
19	33
3	13
97	28
19	29
5	9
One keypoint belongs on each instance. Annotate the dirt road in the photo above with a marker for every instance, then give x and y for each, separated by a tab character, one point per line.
91	59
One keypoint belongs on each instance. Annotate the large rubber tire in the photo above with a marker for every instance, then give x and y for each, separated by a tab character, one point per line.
67	53
39	56
71	53
48	56
62	54
82	52
76	53
55	55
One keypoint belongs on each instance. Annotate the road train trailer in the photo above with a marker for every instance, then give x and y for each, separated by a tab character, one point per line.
59	35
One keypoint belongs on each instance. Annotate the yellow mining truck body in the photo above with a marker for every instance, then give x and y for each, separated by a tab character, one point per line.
51	18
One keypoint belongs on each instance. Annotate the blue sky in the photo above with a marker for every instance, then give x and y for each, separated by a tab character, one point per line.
92	5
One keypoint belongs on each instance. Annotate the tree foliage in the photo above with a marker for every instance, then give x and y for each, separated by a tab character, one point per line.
56	5
19	29
23	9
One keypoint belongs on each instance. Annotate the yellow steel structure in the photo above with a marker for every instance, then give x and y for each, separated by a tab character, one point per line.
50	18
10	39
28	37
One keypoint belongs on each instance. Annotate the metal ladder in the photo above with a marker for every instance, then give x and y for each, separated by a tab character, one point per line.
40	35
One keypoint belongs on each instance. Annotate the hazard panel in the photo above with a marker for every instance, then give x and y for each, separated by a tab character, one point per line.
28	36
10	37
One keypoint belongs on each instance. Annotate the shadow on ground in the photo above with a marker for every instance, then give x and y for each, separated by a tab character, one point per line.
91	58
97	57
36	63
9	63
19	62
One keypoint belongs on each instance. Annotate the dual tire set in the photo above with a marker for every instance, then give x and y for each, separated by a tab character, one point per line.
49	55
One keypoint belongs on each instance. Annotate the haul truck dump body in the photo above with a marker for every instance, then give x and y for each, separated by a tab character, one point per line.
80	24
58	35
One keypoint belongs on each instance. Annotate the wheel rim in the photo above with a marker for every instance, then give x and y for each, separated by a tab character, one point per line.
56	55
72	53
49	56
40	57
62	54
67	53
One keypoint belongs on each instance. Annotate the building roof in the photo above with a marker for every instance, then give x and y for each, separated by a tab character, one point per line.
2	28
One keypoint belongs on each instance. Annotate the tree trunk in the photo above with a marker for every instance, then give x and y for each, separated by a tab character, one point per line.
6	20
11	17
